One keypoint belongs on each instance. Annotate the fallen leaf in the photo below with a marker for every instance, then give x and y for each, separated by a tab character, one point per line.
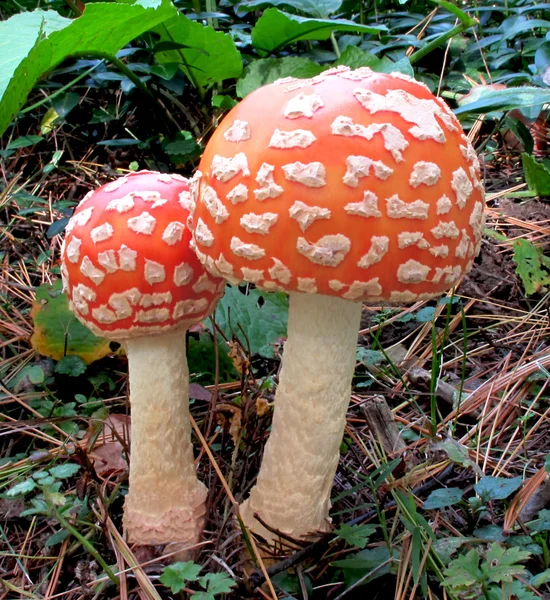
108	454
198	392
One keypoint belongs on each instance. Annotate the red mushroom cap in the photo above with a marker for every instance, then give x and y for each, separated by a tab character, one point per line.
354	184
127	265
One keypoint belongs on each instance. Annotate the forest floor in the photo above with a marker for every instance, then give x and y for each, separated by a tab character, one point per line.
65	429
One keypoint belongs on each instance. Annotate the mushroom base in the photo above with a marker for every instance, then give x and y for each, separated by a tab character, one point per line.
292	493
166	501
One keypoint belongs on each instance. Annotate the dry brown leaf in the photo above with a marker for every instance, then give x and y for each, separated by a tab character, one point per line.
108	452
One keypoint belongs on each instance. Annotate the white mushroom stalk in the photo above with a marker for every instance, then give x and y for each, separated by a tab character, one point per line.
319	362
131	276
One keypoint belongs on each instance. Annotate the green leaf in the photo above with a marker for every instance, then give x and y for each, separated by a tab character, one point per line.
532	266
257	318
355	535
32	43
24	141
177	575
201	357
71	365
315	8
355	57
542	523
540	578
497	488
57	538
22	488
209	56
542	62
217	583
275	29
537	175
463	572
368	357
443	497
486	98
65	103
426	314
358	565
267	70
64	471
58	332
500	564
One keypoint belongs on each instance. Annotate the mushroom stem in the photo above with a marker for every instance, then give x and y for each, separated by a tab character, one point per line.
166	501
292	493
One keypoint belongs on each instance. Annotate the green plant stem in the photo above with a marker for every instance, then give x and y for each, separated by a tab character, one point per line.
73	7
416	56
60	90
197	6
88	545
211	7
335	45
124	70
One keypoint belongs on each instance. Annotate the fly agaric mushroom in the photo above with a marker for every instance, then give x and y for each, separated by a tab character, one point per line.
132	277
350	187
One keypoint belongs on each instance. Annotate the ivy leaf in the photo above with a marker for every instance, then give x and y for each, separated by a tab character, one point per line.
71	365
32	43
64	471
205	55
216	583
267	70
532	266
497	488
442	498
275	29
537	174
65	103
177	575
262	316
355	535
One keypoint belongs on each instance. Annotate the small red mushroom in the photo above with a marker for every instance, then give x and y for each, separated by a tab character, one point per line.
349	187
132	277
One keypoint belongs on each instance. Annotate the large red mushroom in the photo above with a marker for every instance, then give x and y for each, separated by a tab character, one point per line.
132	277
350	187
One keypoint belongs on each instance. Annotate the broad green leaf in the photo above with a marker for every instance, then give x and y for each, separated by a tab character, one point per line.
267	70
426	314
314	8
257	318
22	488
501	564
537	175
33	43
64	471
217	583
275	29
497	488
523	26
358	565
355	535
532	266
177	575
355	57
71	365
542	62
463	572
201	357
540	578
65	103
24	141
57	538
206	56
488	99
57	331
443	497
